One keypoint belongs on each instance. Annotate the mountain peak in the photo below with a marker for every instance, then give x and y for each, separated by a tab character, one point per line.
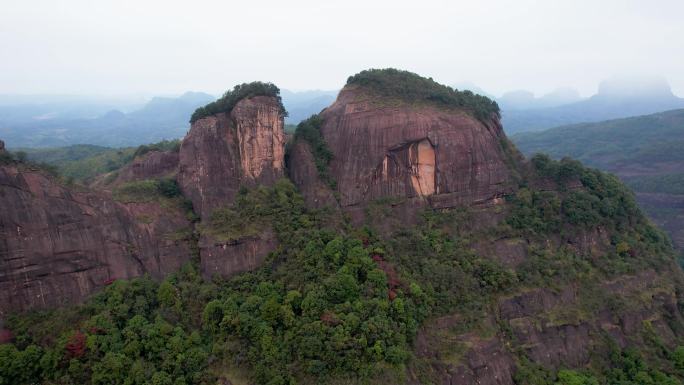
636	87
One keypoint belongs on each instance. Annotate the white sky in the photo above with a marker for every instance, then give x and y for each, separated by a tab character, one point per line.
169	46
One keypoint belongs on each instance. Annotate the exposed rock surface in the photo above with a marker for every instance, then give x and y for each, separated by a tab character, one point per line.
304	175
152	165
443	157
553	328
221	154
58	246
228	258
486	361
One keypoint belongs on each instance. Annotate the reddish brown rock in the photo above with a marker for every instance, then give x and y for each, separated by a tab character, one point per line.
485	361
304	175
151	165
441	157
58	245
221	154
227	258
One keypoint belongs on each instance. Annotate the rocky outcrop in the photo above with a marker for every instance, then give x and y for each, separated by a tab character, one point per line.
221	154
483	361
224	259
58	245
152	165
431	155
304	175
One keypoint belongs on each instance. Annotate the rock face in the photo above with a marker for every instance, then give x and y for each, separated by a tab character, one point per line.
222	153
552	329
441	157
58	246
304	175
152	165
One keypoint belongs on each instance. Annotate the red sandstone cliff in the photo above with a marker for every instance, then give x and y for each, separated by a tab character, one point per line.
58	245
221	154
432	155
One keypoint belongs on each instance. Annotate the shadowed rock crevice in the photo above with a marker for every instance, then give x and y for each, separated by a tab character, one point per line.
408	170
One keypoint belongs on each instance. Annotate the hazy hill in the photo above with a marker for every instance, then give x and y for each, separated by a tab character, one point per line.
645	151
525	100
615	99
161	118
301	105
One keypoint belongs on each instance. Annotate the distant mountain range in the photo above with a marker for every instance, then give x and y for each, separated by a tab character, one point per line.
50	121
53	121
40	125
644	151
301	105
615	99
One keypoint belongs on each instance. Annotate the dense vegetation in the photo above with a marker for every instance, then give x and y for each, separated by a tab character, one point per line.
232	97
412	88
310	131
644	151
336	302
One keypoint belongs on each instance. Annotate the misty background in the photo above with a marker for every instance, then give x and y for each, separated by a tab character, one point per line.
123	73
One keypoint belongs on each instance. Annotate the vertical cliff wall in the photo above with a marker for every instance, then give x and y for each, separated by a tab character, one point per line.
222	153
58	245
439	156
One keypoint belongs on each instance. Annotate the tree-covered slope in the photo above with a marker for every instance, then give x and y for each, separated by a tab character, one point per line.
341	303
645	151
83	162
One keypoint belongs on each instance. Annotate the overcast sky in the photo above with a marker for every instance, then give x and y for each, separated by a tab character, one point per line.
168	46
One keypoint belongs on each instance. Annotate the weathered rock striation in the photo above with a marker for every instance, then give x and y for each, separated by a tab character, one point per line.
226	151
222	153
58	245
435	156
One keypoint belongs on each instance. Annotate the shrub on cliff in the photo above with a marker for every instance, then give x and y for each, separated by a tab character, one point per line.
232	97
414	88
310	131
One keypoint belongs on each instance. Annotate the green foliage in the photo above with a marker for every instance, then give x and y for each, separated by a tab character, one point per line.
529	373
147	190
83	162
334	303
310	131
614	143
571	377
21	159
130	339
164	145
322	310
232	97
413	88
453	277
629	368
